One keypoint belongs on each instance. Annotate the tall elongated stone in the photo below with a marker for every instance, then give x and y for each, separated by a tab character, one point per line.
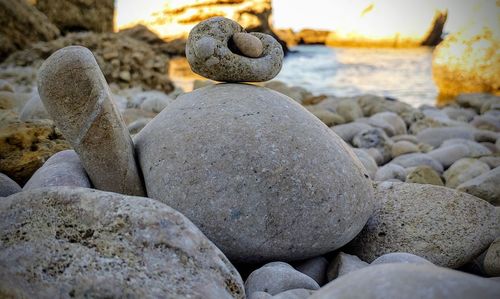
76	95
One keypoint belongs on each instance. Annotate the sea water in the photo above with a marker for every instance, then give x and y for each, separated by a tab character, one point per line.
403	74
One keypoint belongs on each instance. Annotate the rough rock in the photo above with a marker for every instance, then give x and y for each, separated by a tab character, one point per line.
277	277
463	170
123	60
391	281
485	186
390	171
448	232
78	242
246	164
21	25
34	109
76	95
210	56
400	257
8	186
418	159
79	15
24	147
424	175
62	169
314	268
492	259
342	264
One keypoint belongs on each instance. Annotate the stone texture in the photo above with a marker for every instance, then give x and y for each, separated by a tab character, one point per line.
208	53
418	159
463	170
8	186
62	169
392	281
409	218
21	25
492	259
342	264
79	15
424	175
247	164
400	257
78	242
34	109
485	186
125	61
314	268
24	147
76	95
277	277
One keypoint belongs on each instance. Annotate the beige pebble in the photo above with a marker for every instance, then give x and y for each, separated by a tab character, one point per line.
248	44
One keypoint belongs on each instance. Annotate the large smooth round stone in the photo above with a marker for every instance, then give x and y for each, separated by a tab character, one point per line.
66	242
258	174
395	281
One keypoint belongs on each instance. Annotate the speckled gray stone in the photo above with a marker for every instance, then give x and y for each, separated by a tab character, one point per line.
395	281
277	277
62	169
8	186
76	95
344	263
400	257
209	53
83	243
258	174
442	225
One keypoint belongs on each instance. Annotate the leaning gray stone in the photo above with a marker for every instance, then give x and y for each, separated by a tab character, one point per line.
210	56
34	109
314	268
395	281
76	95
294	294
448	232
342	264
485	186
492	259
77	242
8	186
400	257
62	169
418	159
277	277
247	164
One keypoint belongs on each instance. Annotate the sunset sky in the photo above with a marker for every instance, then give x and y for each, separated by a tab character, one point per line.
328	14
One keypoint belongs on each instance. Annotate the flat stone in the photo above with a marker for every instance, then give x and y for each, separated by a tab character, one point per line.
246	164
448	232
314	268
418	159
400	257
78	242
424	175
277	277
344	263
62	169
485	186
463	170
76	95
394	281
208	53
8	186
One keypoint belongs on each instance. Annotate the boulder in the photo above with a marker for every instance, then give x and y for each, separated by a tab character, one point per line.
247	164
79	15
78	242
62	169
393	281
485	186
277	277
409	218
21	25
